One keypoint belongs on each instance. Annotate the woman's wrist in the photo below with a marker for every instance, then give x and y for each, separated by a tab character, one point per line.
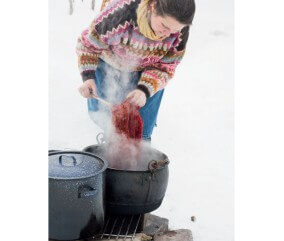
88	74
144	89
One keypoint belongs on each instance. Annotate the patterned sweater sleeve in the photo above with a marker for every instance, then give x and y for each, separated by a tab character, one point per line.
156	76
89	47
104	31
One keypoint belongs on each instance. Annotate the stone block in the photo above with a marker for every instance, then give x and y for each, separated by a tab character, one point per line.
155	224
175	235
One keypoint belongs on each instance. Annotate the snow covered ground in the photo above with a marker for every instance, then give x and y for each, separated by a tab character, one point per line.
195	123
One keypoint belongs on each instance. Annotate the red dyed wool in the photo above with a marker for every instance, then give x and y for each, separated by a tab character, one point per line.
124	143
126	120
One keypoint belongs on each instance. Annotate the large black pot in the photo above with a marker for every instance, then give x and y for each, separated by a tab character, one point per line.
135	192
76	195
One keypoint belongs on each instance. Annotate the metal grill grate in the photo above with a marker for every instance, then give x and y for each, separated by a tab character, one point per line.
122	227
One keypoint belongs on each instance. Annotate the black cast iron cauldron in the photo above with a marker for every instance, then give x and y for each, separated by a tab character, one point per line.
76	194
134	192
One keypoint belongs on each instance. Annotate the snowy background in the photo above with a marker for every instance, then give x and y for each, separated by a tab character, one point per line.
195	122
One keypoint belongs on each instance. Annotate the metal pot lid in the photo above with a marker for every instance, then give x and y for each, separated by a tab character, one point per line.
74	165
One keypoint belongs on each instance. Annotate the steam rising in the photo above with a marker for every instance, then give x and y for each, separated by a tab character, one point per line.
137	159
121	152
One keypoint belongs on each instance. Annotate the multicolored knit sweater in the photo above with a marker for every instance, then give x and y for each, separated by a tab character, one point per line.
115	38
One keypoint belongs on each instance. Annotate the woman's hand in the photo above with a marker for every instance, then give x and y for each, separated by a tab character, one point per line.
88	88
137	97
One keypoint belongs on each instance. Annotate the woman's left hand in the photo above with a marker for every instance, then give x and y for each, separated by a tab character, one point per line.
137	97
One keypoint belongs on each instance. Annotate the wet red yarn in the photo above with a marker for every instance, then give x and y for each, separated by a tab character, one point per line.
127	120
124	144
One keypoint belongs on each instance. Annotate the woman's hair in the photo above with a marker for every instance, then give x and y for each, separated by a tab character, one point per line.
182	10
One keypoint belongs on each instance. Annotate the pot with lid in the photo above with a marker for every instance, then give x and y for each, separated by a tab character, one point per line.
76	194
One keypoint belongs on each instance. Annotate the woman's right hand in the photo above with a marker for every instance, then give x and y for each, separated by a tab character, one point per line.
88	89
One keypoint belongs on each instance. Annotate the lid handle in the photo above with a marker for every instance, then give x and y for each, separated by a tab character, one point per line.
69	161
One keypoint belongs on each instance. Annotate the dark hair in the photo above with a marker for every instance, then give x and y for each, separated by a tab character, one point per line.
182	10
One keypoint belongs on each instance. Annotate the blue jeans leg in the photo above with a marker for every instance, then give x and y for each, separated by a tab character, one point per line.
99	76
149	113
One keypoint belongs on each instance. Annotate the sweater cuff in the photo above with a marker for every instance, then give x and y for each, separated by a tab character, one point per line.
89	74
144	89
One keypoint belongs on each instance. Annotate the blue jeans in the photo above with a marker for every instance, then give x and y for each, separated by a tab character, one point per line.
114	85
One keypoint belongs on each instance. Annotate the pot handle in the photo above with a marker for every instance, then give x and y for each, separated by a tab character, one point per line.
100	138
152	165
65	160
155	165
87	191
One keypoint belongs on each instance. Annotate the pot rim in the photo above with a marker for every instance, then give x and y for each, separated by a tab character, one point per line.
103	169
132	171
145	171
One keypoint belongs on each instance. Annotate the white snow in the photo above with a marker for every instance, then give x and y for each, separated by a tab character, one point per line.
195	123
